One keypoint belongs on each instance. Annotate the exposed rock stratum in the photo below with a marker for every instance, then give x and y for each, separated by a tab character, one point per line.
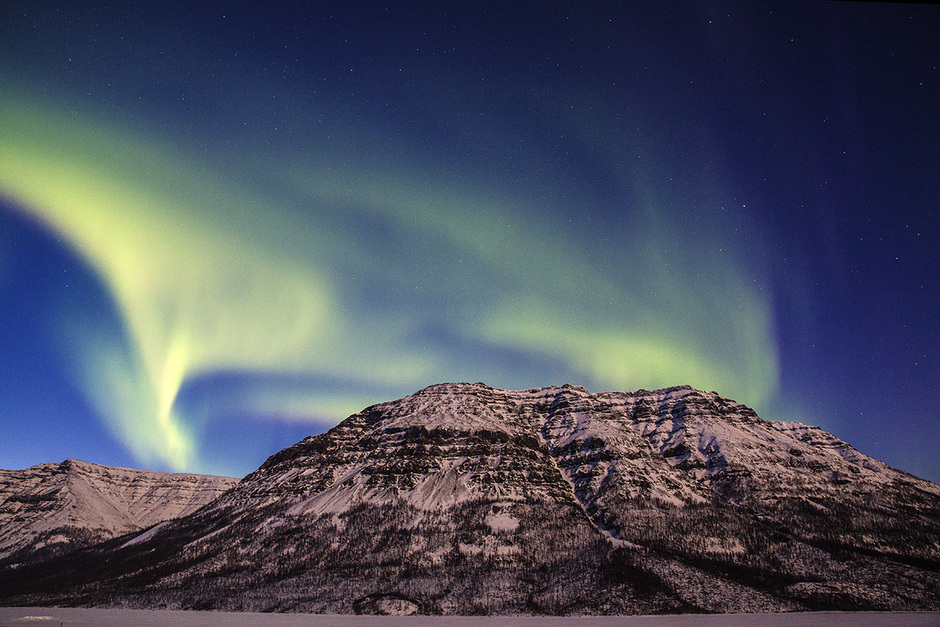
465	499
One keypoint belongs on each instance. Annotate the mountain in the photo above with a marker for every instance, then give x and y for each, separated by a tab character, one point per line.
58	507
465	499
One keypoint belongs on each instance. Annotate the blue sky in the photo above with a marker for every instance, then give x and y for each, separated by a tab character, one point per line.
227	228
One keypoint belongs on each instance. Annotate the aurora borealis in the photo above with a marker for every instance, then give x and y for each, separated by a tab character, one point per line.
225	228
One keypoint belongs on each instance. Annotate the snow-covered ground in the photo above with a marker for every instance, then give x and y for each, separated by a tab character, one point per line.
78	617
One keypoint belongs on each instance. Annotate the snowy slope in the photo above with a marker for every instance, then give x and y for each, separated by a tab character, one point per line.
76	502
463	498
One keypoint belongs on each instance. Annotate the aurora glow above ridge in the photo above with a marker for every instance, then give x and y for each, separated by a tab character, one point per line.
293	215
204	285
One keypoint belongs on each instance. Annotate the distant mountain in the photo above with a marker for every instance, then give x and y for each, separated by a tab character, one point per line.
52	508
465	499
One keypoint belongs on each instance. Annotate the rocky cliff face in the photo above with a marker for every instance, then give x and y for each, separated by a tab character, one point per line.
467	499
56	507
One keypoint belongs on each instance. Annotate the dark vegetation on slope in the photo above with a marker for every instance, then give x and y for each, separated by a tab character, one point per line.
463	499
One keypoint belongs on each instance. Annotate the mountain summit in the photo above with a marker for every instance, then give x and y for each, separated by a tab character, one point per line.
54	507
466	499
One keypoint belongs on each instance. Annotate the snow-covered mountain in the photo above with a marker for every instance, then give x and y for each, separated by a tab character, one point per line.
54	507
467	499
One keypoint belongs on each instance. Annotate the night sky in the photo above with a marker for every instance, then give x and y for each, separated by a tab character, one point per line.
227	226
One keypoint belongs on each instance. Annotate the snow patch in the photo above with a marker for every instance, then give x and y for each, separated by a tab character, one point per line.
502	522
145	535
723	545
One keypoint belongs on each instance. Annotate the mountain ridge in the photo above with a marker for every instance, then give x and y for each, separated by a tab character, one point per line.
467	499
54	506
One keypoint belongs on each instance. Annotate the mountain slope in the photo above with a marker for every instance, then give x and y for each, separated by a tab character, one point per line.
468	499
55	507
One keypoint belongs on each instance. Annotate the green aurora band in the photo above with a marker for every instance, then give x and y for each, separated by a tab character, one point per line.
317	267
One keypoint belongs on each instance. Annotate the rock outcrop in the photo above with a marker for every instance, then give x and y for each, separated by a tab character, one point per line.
59	507
465	499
